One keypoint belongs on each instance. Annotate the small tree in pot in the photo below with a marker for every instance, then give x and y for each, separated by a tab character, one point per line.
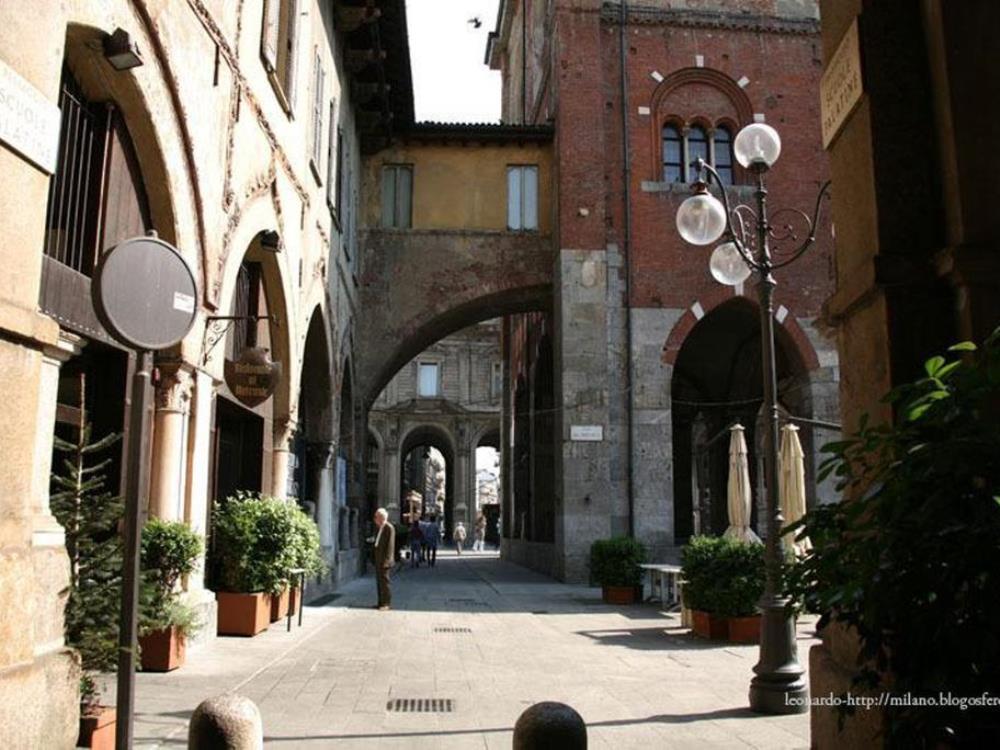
614	564
170	550
723	581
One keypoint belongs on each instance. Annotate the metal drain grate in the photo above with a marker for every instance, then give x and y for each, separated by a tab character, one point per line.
452	630
468	602
421	705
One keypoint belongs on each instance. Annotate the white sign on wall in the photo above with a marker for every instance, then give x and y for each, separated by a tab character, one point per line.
29	123
586	433
842	85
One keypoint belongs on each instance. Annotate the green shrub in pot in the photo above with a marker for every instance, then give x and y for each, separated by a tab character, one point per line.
615	562
169	551
254	544
723	576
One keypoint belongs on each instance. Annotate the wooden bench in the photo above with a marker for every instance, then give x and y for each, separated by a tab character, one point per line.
666	577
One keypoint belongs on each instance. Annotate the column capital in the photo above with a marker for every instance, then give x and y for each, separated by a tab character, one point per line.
174	387
67	346
284	432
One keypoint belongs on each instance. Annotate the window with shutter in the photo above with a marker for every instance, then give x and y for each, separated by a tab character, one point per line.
279	48
316	152
397	196
522	197
269	34
332	162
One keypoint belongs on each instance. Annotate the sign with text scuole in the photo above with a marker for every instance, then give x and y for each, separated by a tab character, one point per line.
29	123
842	85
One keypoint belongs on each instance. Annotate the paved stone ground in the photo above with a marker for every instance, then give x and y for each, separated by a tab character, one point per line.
637	678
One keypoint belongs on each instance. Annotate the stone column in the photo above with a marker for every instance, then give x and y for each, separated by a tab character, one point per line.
46	531
284	437
198	496
321	471
170	423
461	485
392	469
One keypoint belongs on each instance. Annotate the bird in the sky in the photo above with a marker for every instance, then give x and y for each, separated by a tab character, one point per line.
476	23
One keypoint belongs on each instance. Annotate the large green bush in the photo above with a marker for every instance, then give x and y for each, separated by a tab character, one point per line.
169	550
723	576
615	562
911	561
257	539
253	544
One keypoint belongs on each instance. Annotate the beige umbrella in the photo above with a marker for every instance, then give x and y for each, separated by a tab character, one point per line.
792	487
738	493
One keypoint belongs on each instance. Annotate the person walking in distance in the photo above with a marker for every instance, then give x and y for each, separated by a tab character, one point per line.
431	539
385	552
479	545
458	536
416	543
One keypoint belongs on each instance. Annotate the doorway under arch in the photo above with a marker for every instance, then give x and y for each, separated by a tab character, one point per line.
717	380
415	456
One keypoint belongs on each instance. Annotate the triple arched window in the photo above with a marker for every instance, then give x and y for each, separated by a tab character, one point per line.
684	145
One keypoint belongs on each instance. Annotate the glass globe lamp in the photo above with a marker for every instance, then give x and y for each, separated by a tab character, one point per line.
727	265
757	145
701	219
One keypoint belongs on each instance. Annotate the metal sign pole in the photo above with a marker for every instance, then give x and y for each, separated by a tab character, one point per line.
135	508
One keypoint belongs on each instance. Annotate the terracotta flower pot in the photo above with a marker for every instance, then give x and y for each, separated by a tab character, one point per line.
744	629
294	600
163	650
620	594
707	625
97	728
243	614
279	605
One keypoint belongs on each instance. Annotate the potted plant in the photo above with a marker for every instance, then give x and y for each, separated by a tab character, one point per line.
252	551
170	550
723	581
614	564
90	516
306	553
97	721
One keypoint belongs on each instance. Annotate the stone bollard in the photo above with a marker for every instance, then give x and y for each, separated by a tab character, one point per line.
226	722
550	726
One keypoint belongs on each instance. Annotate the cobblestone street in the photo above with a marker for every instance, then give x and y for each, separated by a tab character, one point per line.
493	638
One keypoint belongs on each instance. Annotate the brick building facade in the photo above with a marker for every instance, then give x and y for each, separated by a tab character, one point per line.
647	349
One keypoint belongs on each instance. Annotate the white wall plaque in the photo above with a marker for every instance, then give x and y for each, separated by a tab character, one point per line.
29	123
586	433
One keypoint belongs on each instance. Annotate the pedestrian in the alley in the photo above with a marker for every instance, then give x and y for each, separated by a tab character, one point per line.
433	535
416	542
458	536
385	552
425	526
479	543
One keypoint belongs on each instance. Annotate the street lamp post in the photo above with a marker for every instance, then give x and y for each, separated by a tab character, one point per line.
778	686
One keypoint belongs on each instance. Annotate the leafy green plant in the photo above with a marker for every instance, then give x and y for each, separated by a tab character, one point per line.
306	546
911	560
90	515
255	543
723	576
169	551
615	562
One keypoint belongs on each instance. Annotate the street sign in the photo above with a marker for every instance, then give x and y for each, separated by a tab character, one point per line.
586	433
145	294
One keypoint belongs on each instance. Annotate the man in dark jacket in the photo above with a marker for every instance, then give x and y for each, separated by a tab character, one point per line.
385	554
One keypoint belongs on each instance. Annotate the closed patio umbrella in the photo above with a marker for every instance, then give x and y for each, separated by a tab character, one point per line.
738	491
792	485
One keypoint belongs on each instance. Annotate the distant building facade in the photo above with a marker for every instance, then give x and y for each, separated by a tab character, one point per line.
447	398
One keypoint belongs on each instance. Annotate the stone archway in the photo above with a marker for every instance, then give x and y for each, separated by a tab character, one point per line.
716	381
422	437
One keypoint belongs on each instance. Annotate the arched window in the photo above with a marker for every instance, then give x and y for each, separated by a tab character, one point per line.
697	143
723	154
673	154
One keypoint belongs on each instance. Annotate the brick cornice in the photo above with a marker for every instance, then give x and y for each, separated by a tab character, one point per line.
640	15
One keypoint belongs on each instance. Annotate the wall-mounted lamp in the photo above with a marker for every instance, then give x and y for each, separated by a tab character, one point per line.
270	241
121	51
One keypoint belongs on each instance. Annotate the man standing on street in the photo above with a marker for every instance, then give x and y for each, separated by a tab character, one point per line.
385	552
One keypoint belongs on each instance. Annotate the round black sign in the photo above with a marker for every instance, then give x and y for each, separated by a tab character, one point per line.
145	293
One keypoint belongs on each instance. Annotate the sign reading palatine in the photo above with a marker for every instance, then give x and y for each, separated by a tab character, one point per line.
253	377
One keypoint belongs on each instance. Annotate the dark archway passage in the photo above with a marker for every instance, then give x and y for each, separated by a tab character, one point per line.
717	380
415	452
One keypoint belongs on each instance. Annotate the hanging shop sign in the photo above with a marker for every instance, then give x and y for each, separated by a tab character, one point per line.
253	377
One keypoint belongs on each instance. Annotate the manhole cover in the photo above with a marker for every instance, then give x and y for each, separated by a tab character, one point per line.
452	630
421	705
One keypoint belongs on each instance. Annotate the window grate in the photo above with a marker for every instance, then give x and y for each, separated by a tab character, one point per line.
421	705
452	630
